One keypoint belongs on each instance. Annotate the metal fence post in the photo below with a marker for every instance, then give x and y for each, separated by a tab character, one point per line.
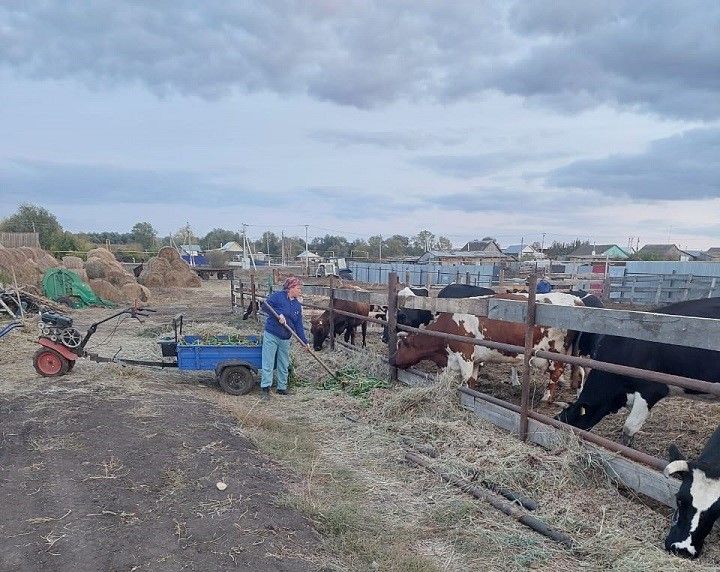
529	331
392	323
332	314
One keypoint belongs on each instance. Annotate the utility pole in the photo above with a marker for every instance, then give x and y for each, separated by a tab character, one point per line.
380	247
307	252
542	244
282	247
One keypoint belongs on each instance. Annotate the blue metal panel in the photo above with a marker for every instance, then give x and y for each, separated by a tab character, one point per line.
672	267
206	357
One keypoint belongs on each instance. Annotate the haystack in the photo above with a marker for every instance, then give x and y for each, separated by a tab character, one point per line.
72	262
28	264
168	269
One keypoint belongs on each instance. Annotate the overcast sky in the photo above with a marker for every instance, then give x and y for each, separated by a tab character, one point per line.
577	119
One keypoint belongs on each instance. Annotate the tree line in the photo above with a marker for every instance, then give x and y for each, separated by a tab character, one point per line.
143	240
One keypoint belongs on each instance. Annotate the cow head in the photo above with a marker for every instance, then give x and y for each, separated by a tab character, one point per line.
319	328
601	395
697	502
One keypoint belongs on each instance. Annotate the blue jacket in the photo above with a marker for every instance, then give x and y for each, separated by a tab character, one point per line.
291	309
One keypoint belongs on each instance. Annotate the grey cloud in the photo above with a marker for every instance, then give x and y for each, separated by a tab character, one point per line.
469	166
508	200
387	140
681	167
661	57
106	185
355	204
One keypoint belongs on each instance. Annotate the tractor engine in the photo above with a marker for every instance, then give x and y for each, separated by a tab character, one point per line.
58	328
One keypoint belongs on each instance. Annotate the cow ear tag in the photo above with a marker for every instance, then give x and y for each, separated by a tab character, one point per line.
582	411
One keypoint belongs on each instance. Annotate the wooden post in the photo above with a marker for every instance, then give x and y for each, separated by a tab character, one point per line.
606	289
457	277
407	278
530	329
712	287
253	300
242	295
428	280
232	294
332	314
392	323
501	277
467	278
688	285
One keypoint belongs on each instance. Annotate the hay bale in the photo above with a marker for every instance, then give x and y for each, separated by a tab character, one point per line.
132	292
105	290
119	279
168	269
27	264
102	254
72	262
95	268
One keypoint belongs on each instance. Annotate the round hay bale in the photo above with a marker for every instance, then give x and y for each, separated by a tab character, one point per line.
95	268
104	289
152	279
102	254
119	279
132	292
72	262
168	253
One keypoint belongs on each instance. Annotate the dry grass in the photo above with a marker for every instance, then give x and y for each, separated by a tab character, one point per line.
375	512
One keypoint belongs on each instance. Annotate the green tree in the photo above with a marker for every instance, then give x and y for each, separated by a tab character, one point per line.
185	235
219	236
63	242
422	242
31	218
396	246
269	243
443	243
145	234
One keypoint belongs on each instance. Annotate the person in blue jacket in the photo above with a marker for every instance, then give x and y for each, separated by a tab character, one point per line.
276	339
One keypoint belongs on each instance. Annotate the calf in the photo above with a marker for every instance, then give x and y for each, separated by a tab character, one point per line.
605	393
410	316
467	358
320	325
697	501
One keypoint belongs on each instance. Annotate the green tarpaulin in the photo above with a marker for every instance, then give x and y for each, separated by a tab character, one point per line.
66	286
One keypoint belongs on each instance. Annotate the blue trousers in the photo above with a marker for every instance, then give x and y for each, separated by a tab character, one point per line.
275	348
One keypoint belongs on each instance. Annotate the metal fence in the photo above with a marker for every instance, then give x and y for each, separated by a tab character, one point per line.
426	274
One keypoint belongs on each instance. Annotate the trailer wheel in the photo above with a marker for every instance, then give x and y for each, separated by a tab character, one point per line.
237	379
49	363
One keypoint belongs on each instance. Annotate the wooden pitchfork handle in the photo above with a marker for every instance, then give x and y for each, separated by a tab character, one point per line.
294	333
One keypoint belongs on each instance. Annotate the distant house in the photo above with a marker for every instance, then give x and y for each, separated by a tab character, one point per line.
699	255
487	245
714	253
662	252
190	250
232	247
599	252
528	252
310	256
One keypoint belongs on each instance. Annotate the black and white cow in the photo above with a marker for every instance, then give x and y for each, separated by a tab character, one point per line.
416	318
410	316
604	393
697	501
585	342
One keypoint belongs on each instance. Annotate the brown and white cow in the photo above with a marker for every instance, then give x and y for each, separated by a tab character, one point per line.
467	358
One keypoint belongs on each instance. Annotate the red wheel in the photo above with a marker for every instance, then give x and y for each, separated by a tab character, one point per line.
50	363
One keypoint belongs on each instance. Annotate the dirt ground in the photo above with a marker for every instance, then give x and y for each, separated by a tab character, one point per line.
115	468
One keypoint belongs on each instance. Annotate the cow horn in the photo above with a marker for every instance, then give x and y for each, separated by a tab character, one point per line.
676	467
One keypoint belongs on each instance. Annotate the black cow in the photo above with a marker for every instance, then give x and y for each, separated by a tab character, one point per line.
585	342
464	291
697	501
605	392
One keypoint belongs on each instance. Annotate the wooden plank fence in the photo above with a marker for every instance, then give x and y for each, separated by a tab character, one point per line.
662	289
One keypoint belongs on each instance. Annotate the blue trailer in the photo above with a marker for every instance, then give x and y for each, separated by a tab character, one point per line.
235	360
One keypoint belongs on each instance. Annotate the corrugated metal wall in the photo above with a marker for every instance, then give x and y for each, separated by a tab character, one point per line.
420	274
